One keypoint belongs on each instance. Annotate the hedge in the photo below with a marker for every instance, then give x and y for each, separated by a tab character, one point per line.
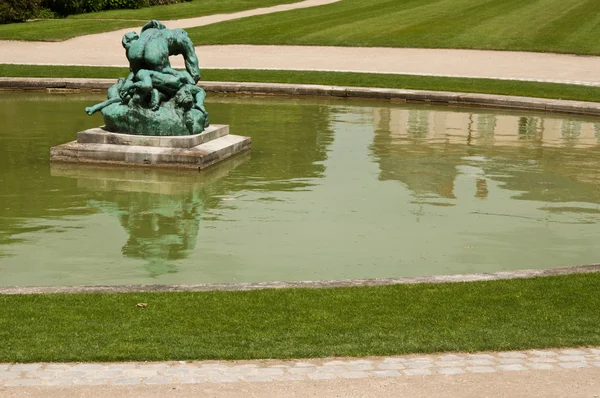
18	10
22	10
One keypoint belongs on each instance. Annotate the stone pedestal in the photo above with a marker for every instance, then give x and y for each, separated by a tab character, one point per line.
194	151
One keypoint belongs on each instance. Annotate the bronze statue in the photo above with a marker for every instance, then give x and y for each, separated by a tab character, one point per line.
156	99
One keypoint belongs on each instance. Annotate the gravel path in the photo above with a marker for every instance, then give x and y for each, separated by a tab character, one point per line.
155	373
534	383
581	363
559	68
105	50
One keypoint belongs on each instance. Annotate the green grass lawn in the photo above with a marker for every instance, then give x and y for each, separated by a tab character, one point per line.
544	312
563	26
465	85
60	29
83	24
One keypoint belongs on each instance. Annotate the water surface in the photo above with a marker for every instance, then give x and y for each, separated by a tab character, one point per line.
331	190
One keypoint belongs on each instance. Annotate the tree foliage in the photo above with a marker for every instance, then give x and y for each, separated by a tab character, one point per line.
18	10
22	10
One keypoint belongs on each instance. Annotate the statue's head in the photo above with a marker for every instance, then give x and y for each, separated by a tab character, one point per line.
184	98
128	38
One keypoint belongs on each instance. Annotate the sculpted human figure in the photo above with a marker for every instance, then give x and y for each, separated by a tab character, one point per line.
114	97
152	82
150	52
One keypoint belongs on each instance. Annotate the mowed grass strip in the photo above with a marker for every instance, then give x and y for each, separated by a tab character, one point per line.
59	29
189	9
545	312
98	22
464	85
562	26
63	71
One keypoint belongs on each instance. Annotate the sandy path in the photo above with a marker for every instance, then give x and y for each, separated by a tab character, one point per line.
531	373
437	62
105	50
541	383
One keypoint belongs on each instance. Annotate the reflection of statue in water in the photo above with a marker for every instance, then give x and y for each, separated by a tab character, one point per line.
156	99
160	211
161	228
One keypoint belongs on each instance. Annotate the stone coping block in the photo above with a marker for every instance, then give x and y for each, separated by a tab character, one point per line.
198	157
519	274
470	99
99	135
42	83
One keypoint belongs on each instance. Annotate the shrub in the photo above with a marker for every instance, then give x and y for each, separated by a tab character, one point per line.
119	4
92	5
18	10
163	2
67	7
63	7
45	13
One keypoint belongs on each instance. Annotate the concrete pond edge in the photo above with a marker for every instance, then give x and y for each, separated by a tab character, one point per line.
441	97
495	276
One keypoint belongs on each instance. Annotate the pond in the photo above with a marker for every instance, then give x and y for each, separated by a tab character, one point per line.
332	189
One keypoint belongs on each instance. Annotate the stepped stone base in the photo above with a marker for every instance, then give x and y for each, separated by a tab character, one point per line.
194	151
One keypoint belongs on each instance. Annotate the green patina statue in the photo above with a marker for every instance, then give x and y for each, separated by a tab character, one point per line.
156	99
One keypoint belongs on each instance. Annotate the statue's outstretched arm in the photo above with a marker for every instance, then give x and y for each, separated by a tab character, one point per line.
90	110
114	97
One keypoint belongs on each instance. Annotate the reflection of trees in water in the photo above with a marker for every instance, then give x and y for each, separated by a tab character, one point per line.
486	126
597	131
29	199
290	140
418	123
570	130
423	168
528	128
481	188
548	174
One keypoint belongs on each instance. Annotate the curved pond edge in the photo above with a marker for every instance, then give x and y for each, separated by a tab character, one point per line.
495	276
439	97
68	85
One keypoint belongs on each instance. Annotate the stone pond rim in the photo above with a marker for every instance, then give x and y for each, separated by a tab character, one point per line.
73	85
323	284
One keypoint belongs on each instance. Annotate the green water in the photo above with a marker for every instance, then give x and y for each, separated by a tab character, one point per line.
331	190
